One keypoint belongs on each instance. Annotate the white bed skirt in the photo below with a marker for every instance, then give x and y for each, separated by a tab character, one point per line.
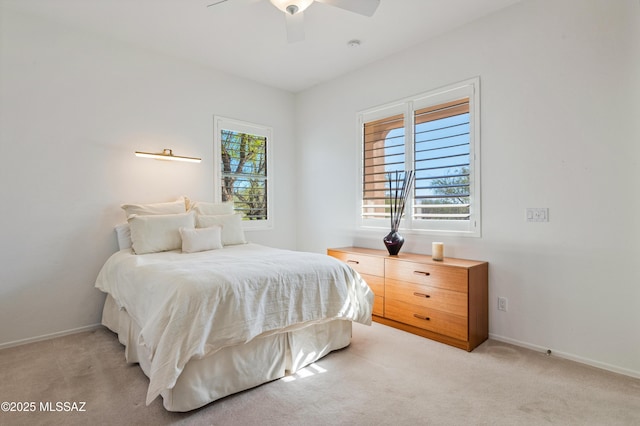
232	369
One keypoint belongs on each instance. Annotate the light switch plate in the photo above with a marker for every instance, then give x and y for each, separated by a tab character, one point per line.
537	214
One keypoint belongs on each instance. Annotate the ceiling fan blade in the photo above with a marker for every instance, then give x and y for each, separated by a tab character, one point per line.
216	3
362	7
295	27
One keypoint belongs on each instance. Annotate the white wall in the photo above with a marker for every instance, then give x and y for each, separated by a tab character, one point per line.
74	107
560	129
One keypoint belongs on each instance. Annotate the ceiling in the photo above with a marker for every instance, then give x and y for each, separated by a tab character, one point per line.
248	37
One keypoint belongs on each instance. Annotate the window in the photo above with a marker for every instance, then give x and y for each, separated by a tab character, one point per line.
437	135
242	162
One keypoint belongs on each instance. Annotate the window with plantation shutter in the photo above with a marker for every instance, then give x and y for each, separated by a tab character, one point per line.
383	153
441	146
435	134
242	153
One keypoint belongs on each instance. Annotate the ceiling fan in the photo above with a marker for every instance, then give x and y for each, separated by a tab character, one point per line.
294	12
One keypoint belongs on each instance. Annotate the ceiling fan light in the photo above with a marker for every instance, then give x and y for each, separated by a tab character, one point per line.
291	7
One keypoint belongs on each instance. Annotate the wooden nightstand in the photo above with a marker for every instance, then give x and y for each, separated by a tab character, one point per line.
444	300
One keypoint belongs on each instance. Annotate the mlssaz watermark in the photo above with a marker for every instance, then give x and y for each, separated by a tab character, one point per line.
40	406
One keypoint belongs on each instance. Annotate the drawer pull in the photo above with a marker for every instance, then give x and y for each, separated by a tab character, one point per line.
422	317
353	261
421	295
426	274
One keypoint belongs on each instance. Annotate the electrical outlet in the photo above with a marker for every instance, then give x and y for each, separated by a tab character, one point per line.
502	304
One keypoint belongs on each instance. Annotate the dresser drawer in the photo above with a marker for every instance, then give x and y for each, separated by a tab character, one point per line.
428	319
364	264
445	277
378	306
377	286
376	283
453	302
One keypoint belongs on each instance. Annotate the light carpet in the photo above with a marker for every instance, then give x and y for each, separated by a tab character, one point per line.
385	377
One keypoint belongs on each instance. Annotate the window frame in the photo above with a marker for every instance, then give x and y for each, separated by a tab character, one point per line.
468	88
223	123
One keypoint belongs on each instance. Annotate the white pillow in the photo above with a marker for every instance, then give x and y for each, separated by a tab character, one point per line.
203	239
154	233
213	208
232	232
174	207
123	232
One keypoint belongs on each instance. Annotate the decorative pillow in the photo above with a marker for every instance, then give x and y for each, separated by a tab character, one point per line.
202	239
232	232
174	207
213	208
154	233
123	232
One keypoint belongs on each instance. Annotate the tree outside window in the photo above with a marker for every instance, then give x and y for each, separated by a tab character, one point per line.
242	163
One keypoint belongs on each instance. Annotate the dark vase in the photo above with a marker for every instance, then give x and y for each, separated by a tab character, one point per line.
394	242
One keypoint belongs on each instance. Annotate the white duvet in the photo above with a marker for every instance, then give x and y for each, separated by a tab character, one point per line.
192	305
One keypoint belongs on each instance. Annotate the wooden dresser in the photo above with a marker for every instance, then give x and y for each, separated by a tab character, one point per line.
443	300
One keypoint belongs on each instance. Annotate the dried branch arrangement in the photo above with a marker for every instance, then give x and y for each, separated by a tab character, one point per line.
399	190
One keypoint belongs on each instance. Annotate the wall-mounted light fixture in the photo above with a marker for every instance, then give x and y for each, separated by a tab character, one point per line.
167	154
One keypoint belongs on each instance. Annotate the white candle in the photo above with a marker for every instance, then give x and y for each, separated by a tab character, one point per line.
437	251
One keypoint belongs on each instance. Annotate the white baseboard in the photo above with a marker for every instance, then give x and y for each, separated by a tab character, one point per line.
571	357
564	355
49	336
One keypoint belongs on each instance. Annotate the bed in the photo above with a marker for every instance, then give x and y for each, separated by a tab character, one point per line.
206	324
